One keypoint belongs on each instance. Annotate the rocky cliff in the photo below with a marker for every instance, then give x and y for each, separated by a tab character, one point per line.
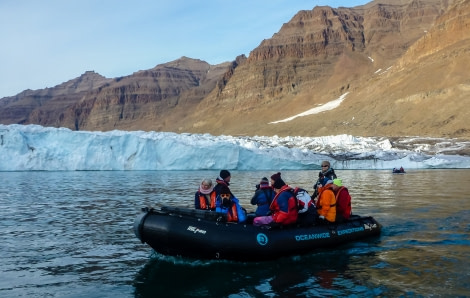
325	53
43	106
147	100
399	65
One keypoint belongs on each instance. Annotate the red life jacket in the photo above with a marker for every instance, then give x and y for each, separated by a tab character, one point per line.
288	213
205	204
343	202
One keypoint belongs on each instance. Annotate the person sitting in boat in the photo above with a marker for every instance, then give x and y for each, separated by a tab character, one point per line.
284	209
326	202
228	204
326	172
222	180
205	196
274	177
263	197
343	201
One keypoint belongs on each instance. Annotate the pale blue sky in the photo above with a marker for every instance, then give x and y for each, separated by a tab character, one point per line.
45	43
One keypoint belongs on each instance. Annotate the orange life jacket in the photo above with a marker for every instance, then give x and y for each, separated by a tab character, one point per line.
205	204
326	204
232	214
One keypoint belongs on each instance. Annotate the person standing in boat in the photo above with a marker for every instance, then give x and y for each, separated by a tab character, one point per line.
326	203
284	209
343	201
222	180
205	197
263	197
326	172
228	204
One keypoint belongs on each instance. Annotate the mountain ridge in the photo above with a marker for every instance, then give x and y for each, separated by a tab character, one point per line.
389	57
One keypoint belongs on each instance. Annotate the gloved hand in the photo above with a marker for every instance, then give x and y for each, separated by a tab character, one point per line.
321	217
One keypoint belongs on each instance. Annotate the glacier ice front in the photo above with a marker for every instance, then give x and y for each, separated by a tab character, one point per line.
37	148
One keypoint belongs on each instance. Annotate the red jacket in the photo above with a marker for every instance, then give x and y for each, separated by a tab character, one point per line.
343	202
284	207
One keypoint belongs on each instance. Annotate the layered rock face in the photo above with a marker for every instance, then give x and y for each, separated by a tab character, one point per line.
46	106
147	99
318	56
398	62
427	91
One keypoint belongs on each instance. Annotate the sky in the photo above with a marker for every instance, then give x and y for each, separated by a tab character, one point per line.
45	43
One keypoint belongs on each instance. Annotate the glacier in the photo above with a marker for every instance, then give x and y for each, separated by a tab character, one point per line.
37	148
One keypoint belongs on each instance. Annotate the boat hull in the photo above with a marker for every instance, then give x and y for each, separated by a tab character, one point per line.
204	235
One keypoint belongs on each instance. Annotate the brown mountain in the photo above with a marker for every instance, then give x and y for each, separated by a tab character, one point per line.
401	66
43	106
146	100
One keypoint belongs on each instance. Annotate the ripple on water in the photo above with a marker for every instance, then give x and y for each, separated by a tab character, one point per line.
69	234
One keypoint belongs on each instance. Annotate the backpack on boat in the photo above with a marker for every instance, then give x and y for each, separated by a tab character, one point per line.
307	211
303	199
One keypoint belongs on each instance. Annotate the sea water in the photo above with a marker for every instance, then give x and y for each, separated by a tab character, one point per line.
69	234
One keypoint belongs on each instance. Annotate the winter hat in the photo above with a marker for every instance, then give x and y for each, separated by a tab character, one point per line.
338	182
224	174
276	176
328	181
279	183
264	181
224	189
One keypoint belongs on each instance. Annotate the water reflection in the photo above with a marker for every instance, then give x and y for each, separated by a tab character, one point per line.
326	273
70	234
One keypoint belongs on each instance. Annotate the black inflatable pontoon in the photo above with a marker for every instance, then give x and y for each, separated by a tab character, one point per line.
206	235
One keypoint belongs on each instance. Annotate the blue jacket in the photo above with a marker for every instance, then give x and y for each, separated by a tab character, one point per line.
263	198
234	211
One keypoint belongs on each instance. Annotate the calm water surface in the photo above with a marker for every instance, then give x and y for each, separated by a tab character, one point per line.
69	234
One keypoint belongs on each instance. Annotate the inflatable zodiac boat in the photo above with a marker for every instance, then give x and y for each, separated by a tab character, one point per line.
203	234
